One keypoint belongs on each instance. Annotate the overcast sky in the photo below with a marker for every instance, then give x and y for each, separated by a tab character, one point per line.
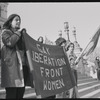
46	19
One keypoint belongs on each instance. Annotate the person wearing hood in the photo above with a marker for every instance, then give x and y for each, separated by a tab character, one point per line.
60	41
40	39
14	71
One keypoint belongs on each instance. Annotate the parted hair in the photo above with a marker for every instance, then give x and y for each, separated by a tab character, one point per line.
41	38
7	24
69	46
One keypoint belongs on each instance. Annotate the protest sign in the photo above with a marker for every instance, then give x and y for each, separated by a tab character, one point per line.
49	66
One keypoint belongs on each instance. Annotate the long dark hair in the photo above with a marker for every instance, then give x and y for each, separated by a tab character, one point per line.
41	38
69	46
7	24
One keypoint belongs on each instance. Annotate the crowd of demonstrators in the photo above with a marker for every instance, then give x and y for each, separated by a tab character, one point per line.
14	68
97	63
14	71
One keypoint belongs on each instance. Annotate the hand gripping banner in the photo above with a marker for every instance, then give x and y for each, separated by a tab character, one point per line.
49	66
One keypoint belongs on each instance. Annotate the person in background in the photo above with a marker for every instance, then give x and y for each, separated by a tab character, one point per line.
73	92
62	42
97	63
72	57
40	39
14	70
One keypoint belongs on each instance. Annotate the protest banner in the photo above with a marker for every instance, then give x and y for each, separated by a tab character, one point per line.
49	66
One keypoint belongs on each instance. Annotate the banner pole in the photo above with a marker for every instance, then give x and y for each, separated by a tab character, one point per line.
80	56
77	60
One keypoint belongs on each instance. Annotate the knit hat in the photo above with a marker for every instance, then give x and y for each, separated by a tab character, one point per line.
59	41
10	18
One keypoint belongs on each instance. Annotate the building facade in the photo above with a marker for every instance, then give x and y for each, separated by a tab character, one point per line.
3	17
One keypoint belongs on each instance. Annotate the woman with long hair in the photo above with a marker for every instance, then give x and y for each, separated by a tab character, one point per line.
72	57
14	70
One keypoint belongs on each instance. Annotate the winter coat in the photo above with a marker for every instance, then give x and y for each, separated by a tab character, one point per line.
13	72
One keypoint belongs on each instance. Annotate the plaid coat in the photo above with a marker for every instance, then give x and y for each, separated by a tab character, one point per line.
13	74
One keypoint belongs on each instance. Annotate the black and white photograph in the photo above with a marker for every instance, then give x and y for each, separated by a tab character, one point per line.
49	50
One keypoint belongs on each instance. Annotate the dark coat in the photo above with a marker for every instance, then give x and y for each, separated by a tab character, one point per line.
12	75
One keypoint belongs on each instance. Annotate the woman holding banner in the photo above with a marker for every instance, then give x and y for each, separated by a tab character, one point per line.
62	42
14	71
